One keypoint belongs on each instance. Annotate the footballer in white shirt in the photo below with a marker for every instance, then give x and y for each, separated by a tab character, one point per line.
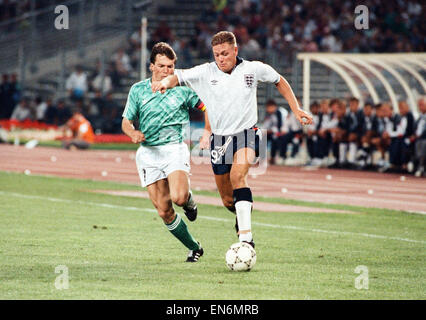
227	87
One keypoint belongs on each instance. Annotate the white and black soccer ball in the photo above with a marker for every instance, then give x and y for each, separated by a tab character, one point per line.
241	257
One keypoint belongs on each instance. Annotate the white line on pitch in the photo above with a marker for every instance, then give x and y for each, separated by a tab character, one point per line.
267	225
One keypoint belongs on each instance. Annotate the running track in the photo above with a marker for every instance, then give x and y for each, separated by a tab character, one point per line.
367	189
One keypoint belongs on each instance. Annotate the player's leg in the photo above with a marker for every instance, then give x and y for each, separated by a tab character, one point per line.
242	195
180	193
159	194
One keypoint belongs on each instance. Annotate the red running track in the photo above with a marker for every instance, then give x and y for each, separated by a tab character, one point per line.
367	189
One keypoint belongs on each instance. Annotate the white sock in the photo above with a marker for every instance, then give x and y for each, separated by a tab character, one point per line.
352	152
243	209
342	152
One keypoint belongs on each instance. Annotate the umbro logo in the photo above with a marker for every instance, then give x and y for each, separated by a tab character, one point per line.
214	82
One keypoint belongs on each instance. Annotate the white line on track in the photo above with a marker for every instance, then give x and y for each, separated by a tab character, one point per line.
267	225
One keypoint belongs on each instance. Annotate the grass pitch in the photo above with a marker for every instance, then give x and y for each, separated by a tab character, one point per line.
117	248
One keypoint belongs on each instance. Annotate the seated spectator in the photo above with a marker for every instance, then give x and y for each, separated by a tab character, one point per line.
82	132
392	134
419	139
291	134
76	84
379	141
23	110
51	112
313	140
63	113
273	122
324	135
354	128
368	132
40	108
406	146
338	131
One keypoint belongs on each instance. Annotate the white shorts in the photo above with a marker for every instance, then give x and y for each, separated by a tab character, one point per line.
157	162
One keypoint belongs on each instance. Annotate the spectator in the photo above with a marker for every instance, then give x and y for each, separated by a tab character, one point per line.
122	62
420	140
102	83
51	112
82	132
40	108
406	147
313	140
338	131
63	113
22	111
273	122
354	130
6	101
76	84
15	88
368	132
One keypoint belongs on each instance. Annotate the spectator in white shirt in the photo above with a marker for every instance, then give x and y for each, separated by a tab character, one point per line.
22	111
77	84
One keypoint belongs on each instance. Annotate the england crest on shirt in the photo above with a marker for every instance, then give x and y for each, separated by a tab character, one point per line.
249	80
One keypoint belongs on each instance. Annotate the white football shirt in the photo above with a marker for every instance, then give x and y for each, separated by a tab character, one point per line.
230	99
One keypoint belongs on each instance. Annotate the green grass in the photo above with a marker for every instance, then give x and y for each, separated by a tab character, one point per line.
47	221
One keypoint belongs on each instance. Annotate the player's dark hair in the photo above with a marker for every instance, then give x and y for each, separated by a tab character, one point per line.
354	99
163	49
223	37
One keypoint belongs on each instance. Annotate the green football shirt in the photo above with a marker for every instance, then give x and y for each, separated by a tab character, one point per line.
162	117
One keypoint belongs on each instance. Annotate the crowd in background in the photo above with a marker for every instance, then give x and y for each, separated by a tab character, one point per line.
343	132
371	137
315	26
10	9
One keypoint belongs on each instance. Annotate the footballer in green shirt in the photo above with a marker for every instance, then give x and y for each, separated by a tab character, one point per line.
163	159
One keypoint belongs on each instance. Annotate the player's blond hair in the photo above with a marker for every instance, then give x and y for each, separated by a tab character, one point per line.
224	37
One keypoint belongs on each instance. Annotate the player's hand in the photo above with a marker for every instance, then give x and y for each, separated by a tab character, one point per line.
304	117
137	137
205	140
158	86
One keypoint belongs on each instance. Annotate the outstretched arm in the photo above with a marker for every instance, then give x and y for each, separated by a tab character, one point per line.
169	82
286	91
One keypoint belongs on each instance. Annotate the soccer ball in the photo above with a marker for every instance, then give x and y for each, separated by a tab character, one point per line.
240	257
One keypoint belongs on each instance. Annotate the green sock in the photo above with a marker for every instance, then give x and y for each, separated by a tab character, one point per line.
179	229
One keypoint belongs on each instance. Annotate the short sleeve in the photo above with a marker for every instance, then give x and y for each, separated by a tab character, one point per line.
130	111
265	73
192	76
193	101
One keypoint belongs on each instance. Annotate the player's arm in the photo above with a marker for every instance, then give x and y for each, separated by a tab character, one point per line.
205	139
285	90
129	129
169	82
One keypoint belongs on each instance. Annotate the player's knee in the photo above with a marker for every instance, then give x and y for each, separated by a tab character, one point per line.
180	198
